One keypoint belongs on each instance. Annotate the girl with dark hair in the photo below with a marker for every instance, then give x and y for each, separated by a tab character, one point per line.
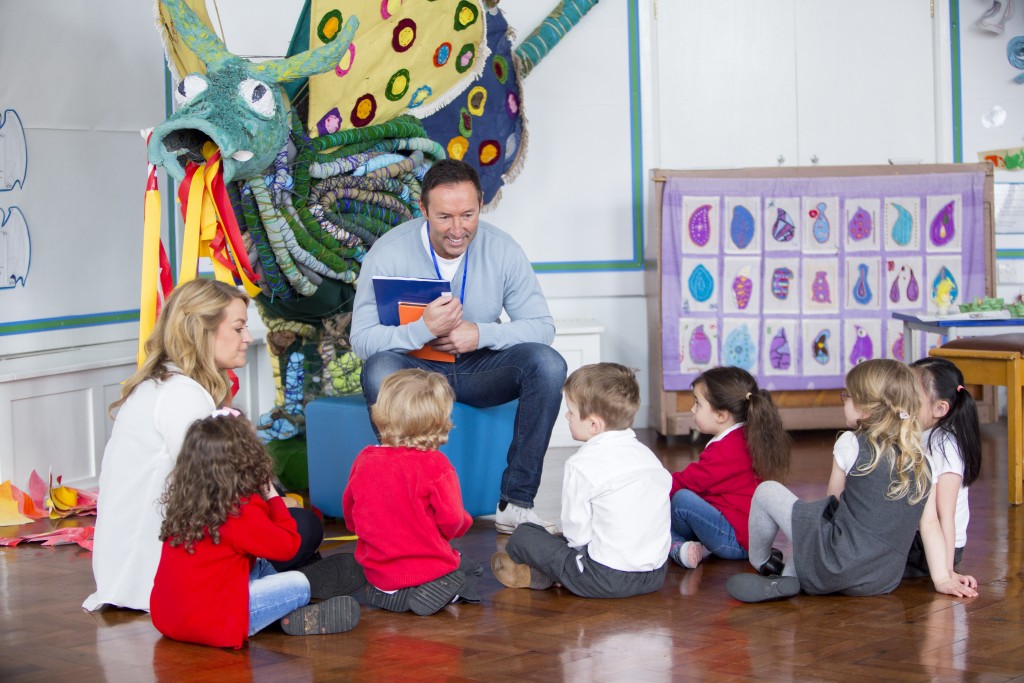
711	497
952	443
222	516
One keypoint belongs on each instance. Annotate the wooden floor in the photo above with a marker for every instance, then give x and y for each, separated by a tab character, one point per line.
690	630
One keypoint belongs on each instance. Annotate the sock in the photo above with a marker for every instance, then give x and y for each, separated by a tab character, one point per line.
502	505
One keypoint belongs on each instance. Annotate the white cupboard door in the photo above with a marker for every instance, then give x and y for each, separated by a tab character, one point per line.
865	81
726	83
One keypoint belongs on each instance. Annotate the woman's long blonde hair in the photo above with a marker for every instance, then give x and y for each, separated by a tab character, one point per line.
886	392
184	336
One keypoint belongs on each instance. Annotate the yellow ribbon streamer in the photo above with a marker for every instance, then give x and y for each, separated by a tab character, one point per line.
202	221
150	269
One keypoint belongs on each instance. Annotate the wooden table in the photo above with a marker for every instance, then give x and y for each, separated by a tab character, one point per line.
952	326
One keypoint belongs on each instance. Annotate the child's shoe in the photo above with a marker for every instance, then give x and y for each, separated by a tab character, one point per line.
688	553
754	588
333	576
397	601
774	566
507	518
336	615
515	575
432	596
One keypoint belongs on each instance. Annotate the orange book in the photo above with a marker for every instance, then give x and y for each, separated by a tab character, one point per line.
411	312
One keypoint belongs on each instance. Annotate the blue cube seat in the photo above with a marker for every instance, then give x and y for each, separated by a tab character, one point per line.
338	428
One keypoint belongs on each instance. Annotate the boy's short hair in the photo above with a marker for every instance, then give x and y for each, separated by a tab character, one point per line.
414	409
605	390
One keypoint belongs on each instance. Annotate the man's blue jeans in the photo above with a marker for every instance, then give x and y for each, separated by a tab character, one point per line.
694	519
533	373
273	595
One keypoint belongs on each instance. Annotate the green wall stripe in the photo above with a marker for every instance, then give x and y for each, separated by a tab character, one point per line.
954	63
1010	253
636	167
68	322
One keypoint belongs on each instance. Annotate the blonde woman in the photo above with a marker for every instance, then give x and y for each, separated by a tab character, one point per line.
855	541
201	334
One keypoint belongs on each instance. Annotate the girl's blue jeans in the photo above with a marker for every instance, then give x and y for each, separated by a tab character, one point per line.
694	519
273	595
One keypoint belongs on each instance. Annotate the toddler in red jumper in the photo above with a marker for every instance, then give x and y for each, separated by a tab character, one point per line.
404	502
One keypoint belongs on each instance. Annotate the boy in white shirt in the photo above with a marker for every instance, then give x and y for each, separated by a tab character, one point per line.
615	502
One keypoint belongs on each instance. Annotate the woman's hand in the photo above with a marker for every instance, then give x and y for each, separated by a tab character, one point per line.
269	491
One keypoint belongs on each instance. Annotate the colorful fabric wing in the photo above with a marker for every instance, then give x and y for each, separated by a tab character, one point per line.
406	57
484	125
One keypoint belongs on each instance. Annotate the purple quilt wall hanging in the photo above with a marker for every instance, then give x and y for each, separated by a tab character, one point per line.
796	279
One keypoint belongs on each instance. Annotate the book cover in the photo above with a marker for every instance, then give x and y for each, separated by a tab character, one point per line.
392	290
411	312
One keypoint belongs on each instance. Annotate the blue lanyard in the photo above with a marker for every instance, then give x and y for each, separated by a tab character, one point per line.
465	264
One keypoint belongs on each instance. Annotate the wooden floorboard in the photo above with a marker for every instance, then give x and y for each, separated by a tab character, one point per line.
690	630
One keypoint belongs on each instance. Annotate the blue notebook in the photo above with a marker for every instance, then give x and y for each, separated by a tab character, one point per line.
390	291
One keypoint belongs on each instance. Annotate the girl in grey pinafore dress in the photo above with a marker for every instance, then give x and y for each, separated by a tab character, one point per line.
856	540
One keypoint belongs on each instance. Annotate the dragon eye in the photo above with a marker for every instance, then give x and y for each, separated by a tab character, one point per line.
189	88
258	96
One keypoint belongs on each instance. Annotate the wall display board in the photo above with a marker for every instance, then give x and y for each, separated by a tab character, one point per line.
793	274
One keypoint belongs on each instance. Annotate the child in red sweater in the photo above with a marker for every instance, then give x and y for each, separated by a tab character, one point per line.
404	502
222	517
711	497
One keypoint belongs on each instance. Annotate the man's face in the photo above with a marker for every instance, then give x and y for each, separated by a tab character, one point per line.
453	212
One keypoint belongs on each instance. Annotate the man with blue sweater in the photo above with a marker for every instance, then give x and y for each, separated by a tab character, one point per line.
494	362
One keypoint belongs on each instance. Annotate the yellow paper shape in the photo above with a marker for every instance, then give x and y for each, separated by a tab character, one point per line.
9	514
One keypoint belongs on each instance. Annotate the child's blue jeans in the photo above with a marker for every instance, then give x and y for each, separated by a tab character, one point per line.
273	595
694	519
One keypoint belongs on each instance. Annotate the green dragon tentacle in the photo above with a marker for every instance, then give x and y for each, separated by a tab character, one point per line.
554	27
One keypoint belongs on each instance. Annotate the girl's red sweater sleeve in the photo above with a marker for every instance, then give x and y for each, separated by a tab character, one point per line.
270	530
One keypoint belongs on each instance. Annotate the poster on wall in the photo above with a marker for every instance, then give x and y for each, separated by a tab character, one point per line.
796	278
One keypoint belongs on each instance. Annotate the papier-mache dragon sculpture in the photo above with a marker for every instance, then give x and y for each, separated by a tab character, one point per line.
289	169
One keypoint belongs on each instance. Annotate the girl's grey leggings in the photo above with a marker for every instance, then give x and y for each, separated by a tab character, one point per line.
771	511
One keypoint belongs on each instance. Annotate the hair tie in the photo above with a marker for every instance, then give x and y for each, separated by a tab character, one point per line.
959	387
748	395
225	412
904	416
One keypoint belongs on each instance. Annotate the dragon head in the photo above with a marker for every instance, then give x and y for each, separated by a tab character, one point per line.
236	105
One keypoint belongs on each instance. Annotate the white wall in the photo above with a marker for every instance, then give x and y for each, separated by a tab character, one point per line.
84	79
574	203
987	86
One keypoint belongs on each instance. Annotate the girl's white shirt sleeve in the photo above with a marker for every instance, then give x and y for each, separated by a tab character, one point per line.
846	450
